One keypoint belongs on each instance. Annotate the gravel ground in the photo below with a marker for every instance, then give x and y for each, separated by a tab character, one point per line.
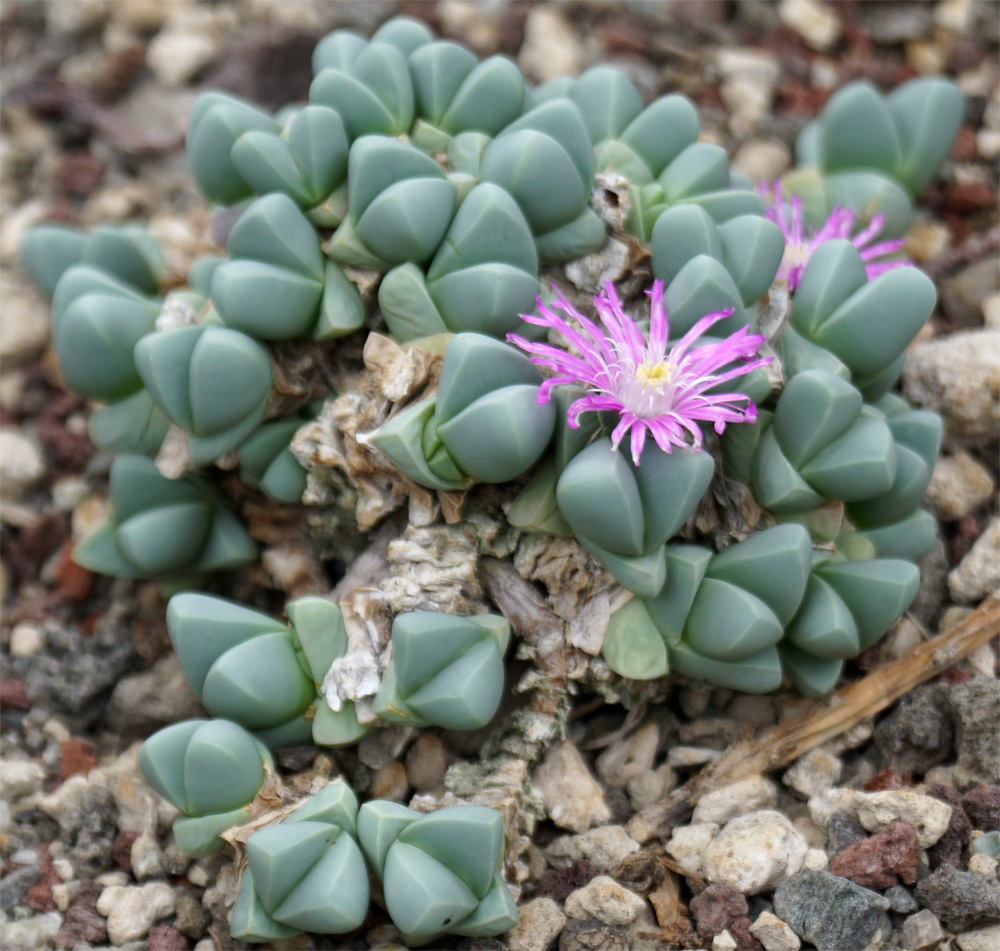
887	836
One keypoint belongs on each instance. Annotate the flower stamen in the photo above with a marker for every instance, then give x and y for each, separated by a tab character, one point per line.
657	389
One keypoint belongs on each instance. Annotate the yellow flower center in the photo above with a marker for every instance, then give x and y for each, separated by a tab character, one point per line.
655	375
796	255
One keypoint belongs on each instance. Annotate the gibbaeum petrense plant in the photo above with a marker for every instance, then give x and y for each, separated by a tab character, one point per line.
657	389
418	193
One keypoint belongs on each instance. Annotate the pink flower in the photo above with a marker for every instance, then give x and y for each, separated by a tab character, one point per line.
656	389
799	246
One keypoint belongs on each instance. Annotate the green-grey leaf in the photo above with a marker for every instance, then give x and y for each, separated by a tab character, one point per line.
203	627
132	425
608	100
485	298
421	895
857	131
48	251
598	496
487	228
633	647
662	131
927	113
258	683
540	174
823	626
274	230
758	674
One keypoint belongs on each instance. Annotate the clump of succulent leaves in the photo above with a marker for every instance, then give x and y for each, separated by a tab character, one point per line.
434	198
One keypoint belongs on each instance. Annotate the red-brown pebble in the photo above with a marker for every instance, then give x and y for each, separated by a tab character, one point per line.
968	197
881	860
14	694
76	756
982	806
165	938
121	850
716	908
39	895
740	930
82	922
559	883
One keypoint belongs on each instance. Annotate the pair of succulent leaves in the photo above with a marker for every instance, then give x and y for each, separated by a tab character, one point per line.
247	667
763	608
822	442
440	872
874	153
174	530
104	289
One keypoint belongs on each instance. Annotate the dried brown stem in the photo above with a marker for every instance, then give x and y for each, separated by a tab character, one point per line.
827	718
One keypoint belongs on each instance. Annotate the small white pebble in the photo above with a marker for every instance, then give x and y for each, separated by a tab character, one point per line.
111	879
64	869
62	895
25	639
724	941
815	860
198	876
25	857
984	865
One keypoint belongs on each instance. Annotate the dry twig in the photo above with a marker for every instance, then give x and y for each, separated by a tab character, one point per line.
827	718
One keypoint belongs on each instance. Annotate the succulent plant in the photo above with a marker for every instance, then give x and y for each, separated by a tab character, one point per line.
263	674
216	123
189	373
399	205
716	617
445	670
103	288
455	93
894	522
699	175
482	277
440	185
545	161
709	267
874	153
655	148
623	513
821	442
209	769
306	161
440	872
761	608
634	141
484	424
848	325
369	86
95	330
847	607
278	284
342	46
173	530
306	873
